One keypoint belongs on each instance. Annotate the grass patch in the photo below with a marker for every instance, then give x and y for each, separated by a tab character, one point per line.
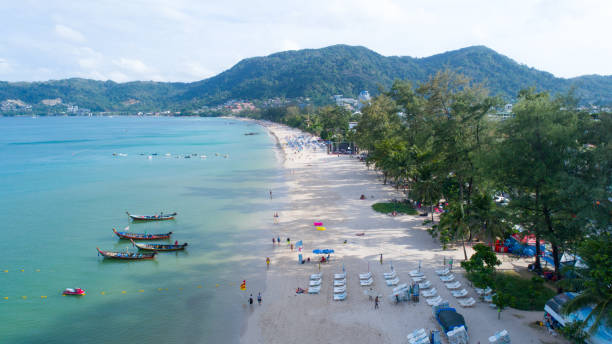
389	207
526	294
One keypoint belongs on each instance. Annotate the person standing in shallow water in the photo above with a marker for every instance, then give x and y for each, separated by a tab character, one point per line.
259	298
251	299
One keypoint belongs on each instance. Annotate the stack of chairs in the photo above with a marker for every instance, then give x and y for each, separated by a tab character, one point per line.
458	335
340	287
366	279
501	337
315	283
419	336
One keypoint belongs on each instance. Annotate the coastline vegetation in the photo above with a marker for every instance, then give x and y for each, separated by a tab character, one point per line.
390	207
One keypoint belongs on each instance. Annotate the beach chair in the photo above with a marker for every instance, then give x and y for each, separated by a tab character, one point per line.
485	291
415	334
314	283
339	290
419	336
394	281
340	297
339	283
390	275
416	273
340	276
467	302
488	298
501	337
400	287
459	293
443	272
365	283
434	301
425	285
448	278
316	276
314	290
454	285
430	293
365	276
418	279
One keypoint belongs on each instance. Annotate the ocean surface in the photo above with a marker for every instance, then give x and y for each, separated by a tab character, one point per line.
62	190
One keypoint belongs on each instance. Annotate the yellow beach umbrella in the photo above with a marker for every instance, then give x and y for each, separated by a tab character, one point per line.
321	228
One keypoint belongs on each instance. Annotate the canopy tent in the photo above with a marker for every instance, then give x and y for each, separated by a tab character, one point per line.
449	319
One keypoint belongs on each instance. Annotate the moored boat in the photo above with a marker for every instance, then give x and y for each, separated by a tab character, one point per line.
126	255
160	247
142	236
156	217
74	291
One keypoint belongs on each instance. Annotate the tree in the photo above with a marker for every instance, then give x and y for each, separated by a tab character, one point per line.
593	281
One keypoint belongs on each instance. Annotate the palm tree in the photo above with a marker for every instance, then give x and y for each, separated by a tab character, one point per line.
592	281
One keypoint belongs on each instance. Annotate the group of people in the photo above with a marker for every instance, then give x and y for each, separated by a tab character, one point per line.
258	299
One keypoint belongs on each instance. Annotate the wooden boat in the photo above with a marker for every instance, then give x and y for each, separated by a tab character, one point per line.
126	255
156	217
160	247
142	236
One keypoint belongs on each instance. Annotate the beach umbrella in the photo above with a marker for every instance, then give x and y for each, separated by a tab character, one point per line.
317	251
299	244
327	251
321	228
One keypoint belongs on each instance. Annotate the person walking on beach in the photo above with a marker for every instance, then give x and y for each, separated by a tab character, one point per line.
268	262
291	247
381	259
251	299
450	263
259	298
270	193
273	241
278	240
376	302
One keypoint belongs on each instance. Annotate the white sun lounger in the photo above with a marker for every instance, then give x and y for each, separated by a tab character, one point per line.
425	285
429	293
390	275
340	297
339	283
434	301
448	278
394	281
459	293
314	283
365	276
467	302
486	291
418	279
416	273
443	272
488	298
316	276
314	290
400	287
340	276
365	283
454	285
416	333
338	290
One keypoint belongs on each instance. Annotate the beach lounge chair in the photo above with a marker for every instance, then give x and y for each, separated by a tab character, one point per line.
488	298
390	275
314	290
394	281
365	283
500	337
418	279
467	302
400	287
340	276
459	293
454	285
340	297
485	291
316	276
314	283
339	283
416	273
416	333
365	276
430	293
448	278
339	290
443	272
425	285
434	301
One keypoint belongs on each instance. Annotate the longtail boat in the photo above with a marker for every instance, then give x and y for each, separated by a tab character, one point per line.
126	255
142	236
156	217
160	247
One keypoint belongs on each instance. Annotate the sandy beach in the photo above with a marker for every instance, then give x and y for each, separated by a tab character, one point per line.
327	188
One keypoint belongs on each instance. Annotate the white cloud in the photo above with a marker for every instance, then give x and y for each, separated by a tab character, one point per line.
290	45
4	66
70	34
132	65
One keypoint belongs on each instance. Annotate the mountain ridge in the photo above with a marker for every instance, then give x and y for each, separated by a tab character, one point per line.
314	73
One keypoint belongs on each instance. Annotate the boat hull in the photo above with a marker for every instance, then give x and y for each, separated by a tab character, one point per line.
159	217
142	236
160	247
126	256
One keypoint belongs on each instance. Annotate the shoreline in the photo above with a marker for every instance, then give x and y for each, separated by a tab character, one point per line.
326	188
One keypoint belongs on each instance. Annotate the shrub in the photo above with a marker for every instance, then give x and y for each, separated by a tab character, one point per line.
389	207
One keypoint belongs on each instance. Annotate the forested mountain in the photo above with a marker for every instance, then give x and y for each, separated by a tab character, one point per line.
314	73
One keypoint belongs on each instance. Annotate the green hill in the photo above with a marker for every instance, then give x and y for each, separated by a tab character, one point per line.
314	73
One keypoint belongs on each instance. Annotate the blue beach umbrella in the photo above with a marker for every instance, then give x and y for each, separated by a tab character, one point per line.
317	251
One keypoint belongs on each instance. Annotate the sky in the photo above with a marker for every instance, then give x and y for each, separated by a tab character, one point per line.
189	40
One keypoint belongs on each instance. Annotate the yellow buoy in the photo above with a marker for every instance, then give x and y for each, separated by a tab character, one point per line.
216	285
103	293
199	286
24	297
321	228
141	291
37	270
22	270
160	289
5	270
123	292
6	297
166	289
43	297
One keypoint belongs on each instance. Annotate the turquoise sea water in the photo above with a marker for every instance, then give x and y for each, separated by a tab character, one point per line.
61	192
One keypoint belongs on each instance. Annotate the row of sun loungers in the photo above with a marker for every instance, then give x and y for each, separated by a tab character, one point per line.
315	284
366	279
340	287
